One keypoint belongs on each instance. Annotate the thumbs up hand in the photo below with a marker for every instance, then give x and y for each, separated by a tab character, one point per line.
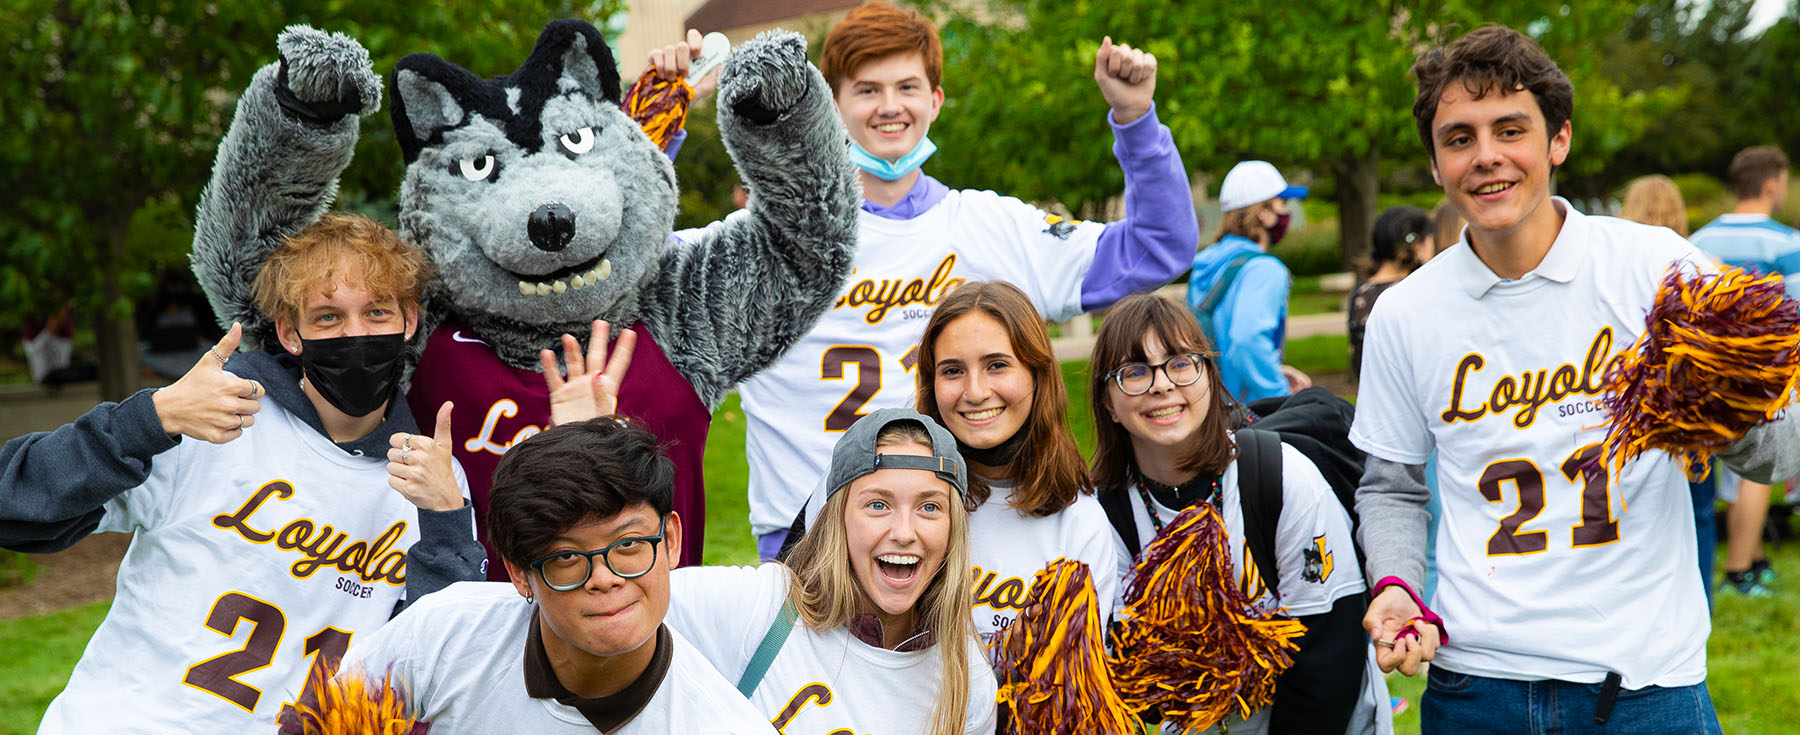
420	466
208	403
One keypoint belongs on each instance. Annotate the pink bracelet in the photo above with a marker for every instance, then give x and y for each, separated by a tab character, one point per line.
1425	613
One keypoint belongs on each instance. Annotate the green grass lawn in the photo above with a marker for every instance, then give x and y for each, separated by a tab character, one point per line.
1305	297
39	654
1754	683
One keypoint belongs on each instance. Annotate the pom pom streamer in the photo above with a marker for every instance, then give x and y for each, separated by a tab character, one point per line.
353	703
1052	660
1191	646
660	108
1720	354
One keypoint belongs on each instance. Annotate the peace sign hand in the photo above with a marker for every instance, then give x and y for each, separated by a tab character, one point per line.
208	403
589	391
420	467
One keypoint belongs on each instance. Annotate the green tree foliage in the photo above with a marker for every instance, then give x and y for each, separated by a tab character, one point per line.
1739	86
1324	87
116	109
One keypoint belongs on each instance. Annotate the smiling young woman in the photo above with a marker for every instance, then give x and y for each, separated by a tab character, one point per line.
872	600
1165	438
986	372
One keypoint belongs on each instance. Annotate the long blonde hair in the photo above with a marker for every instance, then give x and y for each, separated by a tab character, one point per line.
1654	200
826	594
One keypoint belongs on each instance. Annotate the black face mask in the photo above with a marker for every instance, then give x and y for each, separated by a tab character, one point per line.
355	374
1000	454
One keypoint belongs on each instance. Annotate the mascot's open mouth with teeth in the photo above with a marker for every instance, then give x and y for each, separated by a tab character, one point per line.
574	277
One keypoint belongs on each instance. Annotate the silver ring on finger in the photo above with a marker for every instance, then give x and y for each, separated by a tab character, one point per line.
215	354
240	422
403	450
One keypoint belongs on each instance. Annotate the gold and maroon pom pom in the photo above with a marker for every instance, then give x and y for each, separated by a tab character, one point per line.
1720	354
1191	646
1053	673
660	108
353	703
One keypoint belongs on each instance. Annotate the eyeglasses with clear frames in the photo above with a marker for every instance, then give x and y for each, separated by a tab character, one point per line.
1136	378
627	558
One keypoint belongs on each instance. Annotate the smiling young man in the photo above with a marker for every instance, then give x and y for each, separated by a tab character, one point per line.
583	516
920	239
1546	560
261	492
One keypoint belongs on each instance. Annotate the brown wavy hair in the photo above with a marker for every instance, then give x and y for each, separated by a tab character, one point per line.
1048	474
877	30
1491	59
1121	340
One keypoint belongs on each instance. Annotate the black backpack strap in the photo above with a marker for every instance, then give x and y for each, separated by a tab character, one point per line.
1118	512
1260	496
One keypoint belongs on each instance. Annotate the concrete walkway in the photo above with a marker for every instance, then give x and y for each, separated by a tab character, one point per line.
1077	341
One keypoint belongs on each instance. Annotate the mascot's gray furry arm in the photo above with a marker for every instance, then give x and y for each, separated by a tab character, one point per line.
731	321
542	207
277	168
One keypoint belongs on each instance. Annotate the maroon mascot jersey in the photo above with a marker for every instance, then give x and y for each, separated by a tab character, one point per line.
498	405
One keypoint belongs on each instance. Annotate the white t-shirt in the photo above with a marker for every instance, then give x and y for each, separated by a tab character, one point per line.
821	682
461	653
1008	548
1317	558
859	356
249	559
1546	571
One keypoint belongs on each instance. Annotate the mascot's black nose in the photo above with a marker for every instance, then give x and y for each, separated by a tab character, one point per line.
552	226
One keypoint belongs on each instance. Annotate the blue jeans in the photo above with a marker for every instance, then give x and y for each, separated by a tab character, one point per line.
1461	703
1706	533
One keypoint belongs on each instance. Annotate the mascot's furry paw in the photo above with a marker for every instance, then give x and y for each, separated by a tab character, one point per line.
766	77
325	76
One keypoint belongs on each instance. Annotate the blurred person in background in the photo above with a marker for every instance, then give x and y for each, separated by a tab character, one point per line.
1655	200
1748	237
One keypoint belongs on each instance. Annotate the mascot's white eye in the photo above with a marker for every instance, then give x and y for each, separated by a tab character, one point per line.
578	142
479	168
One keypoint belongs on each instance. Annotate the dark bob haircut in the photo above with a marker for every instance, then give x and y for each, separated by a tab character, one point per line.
574	474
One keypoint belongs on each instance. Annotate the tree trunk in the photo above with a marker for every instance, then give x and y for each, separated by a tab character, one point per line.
1357	185
115	335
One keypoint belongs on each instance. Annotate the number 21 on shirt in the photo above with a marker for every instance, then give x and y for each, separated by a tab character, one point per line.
1597	526
867	361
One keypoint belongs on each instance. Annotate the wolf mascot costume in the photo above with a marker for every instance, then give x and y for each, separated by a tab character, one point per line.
543	207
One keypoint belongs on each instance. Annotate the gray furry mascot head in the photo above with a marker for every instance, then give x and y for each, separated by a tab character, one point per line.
543	206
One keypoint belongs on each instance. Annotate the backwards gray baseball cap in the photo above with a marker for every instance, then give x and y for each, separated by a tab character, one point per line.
855	454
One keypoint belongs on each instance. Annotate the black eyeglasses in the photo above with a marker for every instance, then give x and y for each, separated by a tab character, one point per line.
1135	378
627	558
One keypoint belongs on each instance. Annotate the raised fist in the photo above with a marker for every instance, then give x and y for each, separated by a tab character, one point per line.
325	76
766	77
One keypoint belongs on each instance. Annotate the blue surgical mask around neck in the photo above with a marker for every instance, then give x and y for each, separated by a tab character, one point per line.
892	171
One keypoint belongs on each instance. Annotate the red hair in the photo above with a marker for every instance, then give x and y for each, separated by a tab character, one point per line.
877	30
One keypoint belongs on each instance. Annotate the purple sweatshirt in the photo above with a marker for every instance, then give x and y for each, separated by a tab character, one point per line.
1150	247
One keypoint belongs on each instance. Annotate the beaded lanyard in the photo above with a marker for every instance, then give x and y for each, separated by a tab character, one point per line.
1144	483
